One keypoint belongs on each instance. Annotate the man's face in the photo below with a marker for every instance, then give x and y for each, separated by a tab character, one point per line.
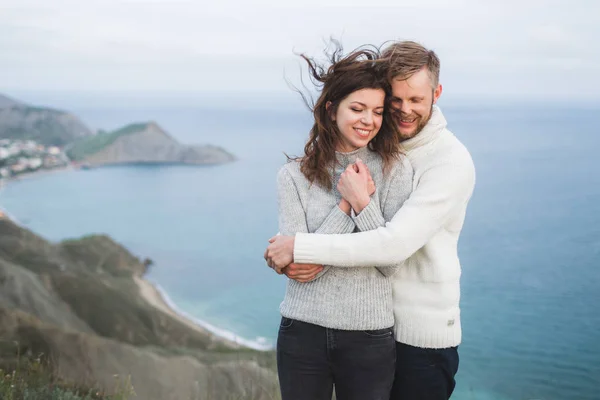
412	103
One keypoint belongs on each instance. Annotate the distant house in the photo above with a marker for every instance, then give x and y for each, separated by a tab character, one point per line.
54	161
20	156
53	150
35	163
18	168
14	149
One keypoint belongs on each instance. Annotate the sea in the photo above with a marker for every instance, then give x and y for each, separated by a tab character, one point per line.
530	248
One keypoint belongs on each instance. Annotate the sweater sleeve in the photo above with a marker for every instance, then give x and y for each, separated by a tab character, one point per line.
371	217
292	217
441	191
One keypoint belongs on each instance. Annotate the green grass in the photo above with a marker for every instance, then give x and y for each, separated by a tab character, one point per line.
84	147
31	378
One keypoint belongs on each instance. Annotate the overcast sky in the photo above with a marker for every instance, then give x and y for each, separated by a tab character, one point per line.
527	49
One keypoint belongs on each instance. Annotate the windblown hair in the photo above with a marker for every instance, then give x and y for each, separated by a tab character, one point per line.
406	58
361	69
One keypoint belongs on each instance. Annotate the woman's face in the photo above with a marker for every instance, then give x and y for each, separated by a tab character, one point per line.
359	118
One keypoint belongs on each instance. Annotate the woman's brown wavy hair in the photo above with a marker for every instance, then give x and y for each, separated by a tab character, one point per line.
360	69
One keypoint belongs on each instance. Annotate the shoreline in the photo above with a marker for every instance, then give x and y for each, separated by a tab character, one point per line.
158	298
152	293
38	173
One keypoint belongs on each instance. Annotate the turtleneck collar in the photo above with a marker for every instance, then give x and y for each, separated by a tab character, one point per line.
436	123
345	159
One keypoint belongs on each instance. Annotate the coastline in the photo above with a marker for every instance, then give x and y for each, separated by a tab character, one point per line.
38	173
152	293
158	298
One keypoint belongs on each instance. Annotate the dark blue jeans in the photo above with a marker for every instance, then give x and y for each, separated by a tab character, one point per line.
424	374
312	359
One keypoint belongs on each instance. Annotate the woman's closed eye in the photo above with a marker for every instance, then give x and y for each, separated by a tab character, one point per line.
356	110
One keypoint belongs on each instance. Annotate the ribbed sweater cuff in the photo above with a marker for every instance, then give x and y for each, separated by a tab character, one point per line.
337	222
370	217
306	248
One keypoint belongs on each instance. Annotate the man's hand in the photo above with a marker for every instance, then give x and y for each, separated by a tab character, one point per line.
302	272
280	252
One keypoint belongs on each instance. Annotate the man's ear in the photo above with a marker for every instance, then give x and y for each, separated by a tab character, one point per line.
437	93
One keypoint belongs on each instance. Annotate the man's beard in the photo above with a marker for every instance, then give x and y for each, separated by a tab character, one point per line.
421	124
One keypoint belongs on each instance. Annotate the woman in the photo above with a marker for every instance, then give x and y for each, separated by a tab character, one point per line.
337	328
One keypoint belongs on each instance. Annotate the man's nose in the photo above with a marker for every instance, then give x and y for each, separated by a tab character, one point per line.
405	108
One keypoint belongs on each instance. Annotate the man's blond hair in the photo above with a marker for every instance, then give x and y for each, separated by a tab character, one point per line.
406	58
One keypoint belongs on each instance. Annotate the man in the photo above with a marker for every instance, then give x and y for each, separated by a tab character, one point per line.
422	236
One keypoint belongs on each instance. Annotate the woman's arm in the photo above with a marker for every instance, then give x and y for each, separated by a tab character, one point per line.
371	217
292	217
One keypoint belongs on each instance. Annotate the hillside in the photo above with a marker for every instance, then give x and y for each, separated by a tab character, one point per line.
143	143
43	125
77	303
7	101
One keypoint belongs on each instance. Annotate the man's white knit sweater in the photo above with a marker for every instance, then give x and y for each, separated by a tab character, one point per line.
422	237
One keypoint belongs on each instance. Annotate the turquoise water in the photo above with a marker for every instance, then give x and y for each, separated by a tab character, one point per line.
530	248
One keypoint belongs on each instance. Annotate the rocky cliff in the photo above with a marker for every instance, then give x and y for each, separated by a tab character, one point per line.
143	143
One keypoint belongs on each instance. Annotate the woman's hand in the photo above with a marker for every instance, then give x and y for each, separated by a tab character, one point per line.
354	186
345	206
371	184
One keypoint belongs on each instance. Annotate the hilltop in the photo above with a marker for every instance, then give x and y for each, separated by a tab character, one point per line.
6	101
143	143
44	125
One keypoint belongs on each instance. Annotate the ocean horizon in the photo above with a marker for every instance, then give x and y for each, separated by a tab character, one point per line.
530	249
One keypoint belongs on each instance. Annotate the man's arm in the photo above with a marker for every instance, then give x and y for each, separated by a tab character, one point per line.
292	217
441	191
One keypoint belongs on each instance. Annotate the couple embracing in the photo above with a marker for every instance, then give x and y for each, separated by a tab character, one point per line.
369	222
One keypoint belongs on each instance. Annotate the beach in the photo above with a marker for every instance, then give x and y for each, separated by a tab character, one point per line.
155	298
158	298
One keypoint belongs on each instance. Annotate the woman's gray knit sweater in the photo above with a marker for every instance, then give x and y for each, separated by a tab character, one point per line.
341	298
